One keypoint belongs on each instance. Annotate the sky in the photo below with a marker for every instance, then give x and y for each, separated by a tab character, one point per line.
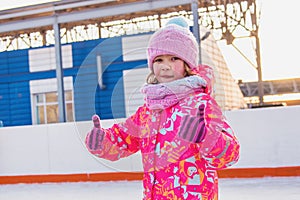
7	4
279	40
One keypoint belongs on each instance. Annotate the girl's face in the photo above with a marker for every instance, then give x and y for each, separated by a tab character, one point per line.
168	68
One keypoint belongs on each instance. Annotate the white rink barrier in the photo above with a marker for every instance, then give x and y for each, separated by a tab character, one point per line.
269	138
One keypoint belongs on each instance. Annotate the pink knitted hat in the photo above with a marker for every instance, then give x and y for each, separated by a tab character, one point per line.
174	39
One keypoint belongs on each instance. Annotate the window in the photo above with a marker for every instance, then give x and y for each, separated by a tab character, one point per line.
47	107
44	101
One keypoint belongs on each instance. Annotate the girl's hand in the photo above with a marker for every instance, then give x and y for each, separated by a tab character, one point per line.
96	121
96	135
193	128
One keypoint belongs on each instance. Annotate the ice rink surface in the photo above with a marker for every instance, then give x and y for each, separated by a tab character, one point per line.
273	188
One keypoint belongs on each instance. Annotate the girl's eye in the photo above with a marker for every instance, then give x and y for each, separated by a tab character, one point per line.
175	58
158	60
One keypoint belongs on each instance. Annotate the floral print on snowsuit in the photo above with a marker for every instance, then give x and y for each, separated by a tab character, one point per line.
177	165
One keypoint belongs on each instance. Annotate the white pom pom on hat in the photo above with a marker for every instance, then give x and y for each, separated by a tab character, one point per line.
180	21
174	39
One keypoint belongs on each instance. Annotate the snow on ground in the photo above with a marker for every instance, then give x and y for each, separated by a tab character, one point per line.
230	189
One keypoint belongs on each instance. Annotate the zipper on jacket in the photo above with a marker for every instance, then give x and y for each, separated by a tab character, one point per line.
158	114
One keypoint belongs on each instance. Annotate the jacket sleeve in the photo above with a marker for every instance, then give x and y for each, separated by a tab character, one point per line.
220	147
121	140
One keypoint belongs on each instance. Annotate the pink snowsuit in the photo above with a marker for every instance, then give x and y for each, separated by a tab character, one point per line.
174	167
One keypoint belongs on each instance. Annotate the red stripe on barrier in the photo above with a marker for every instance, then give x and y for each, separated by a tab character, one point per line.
133	176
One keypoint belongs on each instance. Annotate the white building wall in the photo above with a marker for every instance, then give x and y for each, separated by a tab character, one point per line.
269	137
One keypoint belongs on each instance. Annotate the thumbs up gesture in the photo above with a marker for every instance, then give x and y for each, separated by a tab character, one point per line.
96	135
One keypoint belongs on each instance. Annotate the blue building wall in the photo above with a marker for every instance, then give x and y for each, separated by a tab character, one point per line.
14	88
15	105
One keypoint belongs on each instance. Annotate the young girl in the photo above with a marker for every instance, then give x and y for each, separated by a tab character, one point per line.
180	130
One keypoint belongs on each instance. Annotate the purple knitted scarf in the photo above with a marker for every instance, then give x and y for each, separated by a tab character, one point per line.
164	95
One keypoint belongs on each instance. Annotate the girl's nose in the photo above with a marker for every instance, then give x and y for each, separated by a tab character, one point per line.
165	66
